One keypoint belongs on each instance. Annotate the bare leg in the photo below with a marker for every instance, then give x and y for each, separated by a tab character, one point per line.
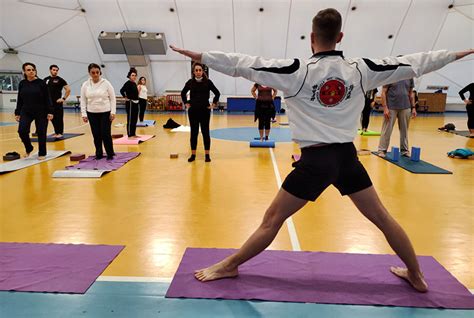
282	207
260	131
372	208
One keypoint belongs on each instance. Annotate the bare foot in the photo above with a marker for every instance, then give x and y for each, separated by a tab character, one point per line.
134	137
26	155
41	157
417	282
58	136
216	271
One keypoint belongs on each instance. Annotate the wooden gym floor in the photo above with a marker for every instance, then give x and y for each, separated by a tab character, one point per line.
158	206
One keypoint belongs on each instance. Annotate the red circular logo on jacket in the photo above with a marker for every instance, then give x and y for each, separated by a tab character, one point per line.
331	92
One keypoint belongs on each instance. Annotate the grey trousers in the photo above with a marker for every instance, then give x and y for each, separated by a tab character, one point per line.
403	116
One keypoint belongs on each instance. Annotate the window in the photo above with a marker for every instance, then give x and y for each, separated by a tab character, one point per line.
10	81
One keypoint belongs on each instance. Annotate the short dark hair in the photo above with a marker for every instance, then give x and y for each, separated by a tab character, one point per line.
93	65
53	65
327	25
132	70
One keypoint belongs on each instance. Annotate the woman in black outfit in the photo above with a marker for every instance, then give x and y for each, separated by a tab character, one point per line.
199	109
264	108
33	103
469	107
369	103
129	90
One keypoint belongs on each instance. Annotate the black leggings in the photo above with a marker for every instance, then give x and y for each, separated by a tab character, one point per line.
366	115
58	119
470	116
101	131
132	117
264	122
201	118
41	122
141	114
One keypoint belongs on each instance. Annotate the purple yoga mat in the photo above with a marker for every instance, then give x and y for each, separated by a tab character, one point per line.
90	163
318	277
62	268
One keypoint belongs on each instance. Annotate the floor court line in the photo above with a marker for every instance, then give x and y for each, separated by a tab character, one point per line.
295	243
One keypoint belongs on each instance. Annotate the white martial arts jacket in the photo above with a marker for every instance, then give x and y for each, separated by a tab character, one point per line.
325	94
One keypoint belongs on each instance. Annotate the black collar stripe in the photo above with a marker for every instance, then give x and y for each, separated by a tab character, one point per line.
329	53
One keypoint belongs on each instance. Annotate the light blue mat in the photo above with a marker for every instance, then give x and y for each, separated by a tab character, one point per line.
7	123
132	299
248	133
146	123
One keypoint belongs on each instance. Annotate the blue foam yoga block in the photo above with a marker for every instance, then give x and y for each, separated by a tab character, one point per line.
263	144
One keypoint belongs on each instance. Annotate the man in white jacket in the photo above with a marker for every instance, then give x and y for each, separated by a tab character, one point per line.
325	96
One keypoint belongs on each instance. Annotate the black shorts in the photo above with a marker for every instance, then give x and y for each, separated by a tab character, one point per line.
319	167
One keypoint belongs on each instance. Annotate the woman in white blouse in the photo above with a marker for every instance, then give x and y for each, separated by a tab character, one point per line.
98	106
142	97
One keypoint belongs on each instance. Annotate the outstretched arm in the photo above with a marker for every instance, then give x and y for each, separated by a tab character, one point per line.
195	56
393	69
282	74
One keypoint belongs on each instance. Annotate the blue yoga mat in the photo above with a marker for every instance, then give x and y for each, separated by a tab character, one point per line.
421	167
146	123
50	138
262	144
7	123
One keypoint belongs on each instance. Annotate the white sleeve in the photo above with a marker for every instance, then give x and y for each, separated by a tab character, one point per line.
83	100
376	72
281	74
112	98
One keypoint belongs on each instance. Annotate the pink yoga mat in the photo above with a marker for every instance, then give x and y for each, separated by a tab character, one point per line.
126	141
61	268
318	277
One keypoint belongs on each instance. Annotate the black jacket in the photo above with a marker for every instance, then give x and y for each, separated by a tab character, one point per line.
200	93
33	98
129	90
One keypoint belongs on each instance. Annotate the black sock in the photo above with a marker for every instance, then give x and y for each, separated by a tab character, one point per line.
208	158
192	158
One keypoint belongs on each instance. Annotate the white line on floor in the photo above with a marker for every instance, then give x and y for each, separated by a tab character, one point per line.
295	243
135	279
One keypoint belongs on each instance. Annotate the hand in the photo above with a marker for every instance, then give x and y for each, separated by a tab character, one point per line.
195	56
50	116
112	117
60	101
386	113
413	113
84	119
212	106
187	105
17	118
467	102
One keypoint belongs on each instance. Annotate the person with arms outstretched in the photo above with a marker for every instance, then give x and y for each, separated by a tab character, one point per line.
325	94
